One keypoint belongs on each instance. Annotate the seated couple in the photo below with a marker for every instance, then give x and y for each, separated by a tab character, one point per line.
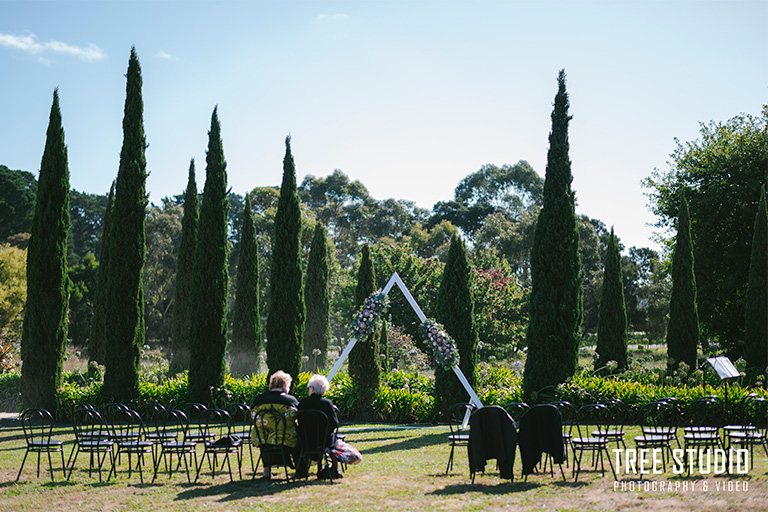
277	397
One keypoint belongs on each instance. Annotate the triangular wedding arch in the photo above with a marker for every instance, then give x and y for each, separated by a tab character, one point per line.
395	280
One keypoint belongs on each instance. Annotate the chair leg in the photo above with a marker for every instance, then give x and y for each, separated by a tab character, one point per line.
22	465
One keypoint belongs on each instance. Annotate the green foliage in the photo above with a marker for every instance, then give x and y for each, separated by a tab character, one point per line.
17	201
683	329
13	291
163	233
285	323
500	307
556	295
81	300
86	212
10	391
364	364
612	326
721	173
317	333
98	334
246	324
184	277
456	311
208	307
756	317
45	318
127	251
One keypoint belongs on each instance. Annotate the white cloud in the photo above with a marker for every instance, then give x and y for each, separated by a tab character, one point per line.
323	17
165	55
29	43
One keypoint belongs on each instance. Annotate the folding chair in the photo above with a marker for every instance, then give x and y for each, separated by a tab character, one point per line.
91	437
591	420
38	428
217	431
174	443
127	427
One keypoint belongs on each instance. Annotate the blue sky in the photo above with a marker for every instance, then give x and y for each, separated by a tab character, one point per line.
406	96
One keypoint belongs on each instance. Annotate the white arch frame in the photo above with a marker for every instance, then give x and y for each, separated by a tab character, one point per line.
395	279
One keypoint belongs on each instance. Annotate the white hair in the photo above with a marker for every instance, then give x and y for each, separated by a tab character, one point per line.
319	384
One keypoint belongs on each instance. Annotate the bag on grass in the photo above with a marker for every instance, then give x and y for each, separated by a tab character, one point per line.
346	453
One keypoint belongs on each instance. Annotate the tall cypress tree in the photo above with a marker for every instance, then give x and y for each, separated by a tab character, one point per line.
364	366
127	251
756	313
246	323
612	322
456	311
44	332
285	322
184	273
208	305
98	334
556	296
683	327
317	333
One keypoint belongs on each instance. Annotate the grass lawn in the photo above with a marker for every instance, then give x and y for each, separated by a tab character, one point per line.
402	469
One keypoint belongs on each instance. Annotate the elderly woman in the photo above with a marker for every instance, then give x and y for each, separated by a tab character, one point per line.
278	398
317	387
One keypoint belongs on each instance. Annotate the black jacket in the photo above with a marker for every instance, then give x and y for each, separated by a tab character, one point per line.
492	435
541	431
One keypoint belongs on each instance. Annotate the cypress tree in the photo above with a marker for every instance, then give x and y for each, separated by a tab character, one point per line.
127	251
556	296
44	332
184	273
364	366
317	333
683	327
98	335
456	311
285	322
246	323
612	322
756	313
210	282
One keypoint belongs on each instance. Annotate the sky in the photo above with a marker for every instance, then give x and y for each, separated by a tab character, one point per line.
408	97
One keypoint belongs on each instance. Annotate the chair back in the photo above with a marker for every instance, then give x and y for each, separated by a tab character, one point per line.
173	425
195	413
312	429
492	435
125	426
241	419
217	425
756	413
269	427
541	431
37	425
89	426
705	412
458	416
592	421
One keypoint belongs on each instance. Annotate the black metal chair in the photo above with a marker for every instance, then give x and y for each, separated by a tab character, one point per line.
270	428
195	412
458	423
756	431
174	443
591	420
91	437
541	432
38	429
217	431
568	418
516	410
658	428
617	414
703	418
242	424
127	428
312	430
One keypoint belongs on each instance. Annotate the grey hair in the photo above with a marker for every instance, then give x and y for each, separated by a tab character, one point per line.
319	384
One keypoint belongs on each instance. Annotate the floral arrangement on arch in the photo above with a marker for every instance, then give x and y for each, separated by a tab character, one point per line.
373	307
443	347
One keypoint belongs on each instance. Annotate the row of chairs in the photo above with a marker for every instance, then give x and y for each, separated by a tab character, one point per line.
596	428
172	437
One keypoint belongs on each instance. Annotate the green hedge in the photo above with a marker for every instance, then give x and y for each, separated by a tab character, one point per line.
404	397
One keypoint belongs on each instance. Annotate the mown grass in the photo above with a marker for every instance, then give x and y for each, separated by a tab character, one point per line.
402	469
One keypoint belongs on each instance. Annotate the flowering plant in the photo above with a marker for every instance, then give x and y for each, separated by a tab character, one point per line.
443	347
366	317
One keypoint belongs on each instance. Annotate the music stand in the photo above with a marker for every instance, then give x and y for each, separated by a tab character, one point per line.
726	371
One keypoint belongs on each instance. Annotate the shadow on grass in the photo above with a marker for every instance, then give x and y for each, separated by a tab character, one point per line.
243	489
412	443
501	487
